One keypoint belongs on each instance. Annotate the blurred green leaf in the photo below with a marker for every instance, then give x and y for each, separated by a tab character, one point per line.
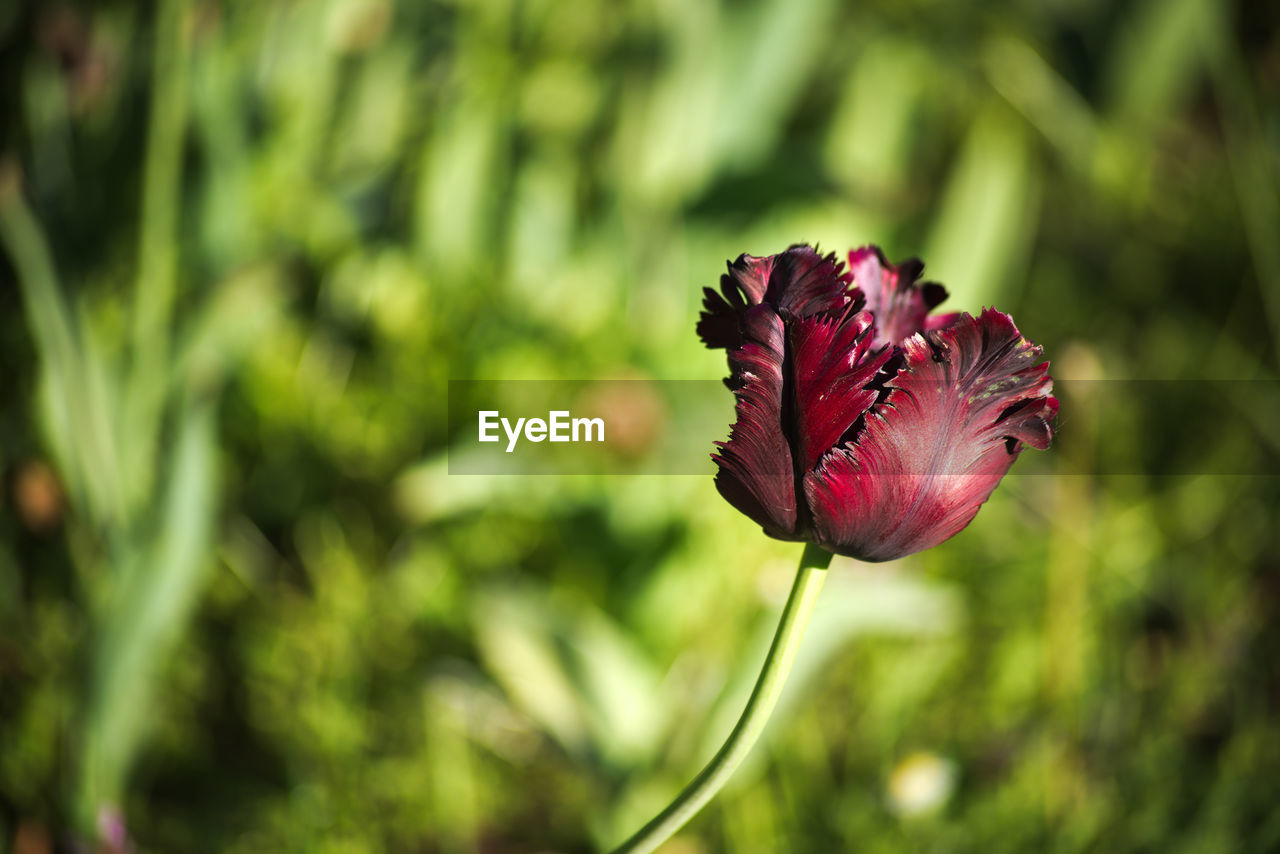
988	215
574	672
158	588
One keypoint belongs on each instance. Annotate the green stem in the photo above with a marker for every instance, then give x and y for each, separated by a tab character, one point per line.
777	664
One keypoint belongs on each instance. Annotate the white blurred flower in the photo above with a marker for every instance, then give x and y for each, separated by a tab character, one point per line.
921	783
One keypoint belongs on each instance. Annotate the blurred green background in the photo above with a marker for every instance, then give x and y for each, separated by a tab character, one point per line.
243	606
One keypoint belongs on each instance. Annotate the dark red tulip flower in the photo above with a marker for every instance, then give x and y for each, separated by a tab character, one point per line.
866	427
865	424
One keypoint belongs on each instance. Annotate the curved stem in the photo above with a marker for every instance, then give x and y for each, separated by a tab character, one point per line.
777	664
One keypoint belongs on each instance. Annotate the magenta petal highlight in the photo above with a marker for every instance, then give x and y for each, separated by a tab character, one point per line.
901	304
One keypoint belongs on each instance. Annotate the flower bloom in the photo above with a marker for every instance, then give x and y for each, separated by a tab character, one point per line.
865	424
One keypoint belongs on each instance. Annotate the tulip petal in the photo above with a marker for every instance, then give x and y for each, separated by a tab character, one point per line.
832	378
804	283
900	303
796	283
756	470
744	286
932	452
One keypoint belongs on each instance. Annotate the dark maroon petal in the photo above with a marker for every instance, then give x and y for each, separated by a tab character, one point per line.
832	373
796	283
756	472
804	283
720	324
933	451
750	276
901	304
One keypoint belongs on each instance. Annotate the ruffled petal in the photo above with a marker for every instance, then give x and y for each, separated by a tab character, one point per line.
900	303
720	321
833	373
927	458
796	283
804	283
744	286
756	471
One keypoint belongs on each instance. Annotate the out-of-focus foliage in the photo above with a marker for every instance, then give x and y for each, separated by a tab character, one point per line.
243	607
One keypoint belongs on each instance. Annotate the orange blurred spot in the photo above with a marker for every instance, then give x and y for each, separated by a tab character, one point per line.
38	495
32	838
